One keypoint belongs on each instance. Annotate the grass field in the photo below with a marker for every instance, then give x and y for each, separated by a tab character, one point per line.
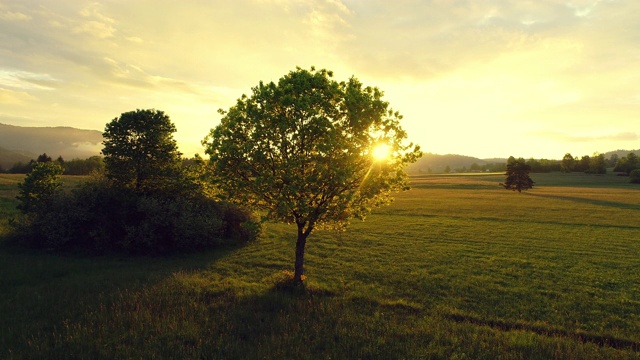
455	268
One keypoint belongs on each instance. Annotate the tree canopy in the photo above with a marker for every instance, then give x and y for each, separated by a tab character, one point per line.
517	175
302	151
139	150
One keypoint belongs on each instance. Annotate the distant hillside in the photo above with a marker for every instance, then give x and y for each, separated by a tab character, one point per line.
621	153
438	163
18	143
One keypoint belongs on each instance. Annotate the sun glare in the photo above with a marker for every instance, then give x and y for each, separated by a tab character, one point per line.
381	152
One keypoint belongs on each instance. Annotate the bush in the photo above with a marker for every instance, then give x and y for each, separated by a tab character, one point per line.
99	218
634	176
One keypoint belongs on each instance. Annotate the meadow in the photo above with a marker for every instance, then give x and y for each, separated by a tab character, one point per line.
455	268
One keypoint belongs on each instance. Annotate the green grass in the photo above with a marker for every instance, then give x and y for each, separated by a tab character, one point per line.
455	268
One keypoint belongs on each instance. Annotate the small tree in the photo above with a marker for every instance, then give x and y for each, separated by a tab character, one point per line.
140	152
302	150
39	186
634	176
517	175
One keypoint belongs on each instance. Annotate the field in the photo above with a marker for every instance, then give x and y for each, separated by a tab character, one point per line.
456	268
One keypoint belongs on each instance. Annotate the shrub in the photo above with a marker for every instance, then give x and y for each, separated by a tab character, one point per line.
98	217
40	186
634	176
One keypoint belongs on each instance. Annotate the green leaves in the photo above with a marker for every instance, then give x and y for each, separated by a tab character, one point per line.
40	186
300	149
140	152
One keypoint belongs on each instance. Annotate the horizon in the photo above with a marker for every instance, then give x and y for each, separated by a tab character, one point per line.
484	80
88	146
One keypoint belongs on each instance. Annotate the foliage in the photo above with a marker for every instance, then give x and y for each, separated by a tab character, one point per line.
517	175
634	176
543	165
99	218
140	152
627	163
568	163
40	186
301	151
84	166
597	164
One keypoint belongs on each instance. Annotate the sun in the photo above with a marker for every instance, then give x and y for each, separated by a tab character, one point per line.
381	152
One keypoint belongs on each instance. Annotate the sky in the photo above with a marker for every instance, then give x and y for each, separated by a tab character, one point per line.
479	78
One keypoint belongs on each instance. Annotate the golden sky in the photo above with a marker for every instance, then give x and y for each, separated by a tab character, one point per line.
479	78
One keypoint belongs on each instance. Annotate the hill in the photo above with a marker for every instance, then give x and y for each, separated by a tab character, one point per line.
438	163
21	144
621	153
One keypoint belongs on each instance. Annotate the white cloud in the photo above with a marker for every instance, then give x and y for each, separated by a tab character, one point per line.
26	80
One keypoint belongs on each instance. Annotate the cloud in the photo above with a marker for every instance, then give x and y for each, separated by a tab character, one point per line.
26	80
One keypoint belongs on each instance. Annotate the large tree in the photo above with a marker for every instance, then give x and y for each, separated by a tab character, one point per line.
302	150
517	175
140	152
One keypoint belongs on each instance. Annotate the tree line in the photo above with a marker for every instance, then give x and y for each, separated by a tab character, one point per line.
69	167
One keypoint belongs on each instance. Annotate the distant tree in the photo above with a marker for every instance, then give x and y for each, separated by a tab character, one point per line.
597	164
627	164
568	163
20	168
534	165
302	150
447	169
582	165
517	175
549	165
634	176
39	186
613	159
84	166
140	152
43	158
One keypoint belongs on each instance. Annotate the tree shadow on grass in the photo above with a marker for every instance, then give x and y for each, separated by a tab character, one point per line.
614	204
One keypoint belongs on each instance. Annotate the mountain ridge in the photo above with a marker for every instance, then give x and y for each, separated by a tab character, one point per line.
21	143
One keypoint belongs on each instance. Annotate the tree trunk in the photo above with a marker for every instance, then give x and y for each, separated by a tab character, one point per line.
300	243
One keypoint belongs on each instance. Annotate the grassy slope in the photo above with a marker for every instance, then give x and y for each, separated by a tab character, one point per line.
455	268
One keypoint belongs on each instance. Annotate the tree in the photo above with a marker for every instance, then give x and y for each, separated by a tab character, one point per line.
634	176
302	151
568	163
597	164
39	186
627	163
583	164
517	175
43	158
140	152
613	159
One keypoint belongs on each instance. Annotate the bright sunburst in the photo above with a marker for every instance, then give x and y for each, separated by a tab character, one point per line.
381	152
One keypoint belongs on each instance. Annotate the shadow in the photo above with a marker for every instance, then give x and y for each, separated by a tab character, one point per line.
618	205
